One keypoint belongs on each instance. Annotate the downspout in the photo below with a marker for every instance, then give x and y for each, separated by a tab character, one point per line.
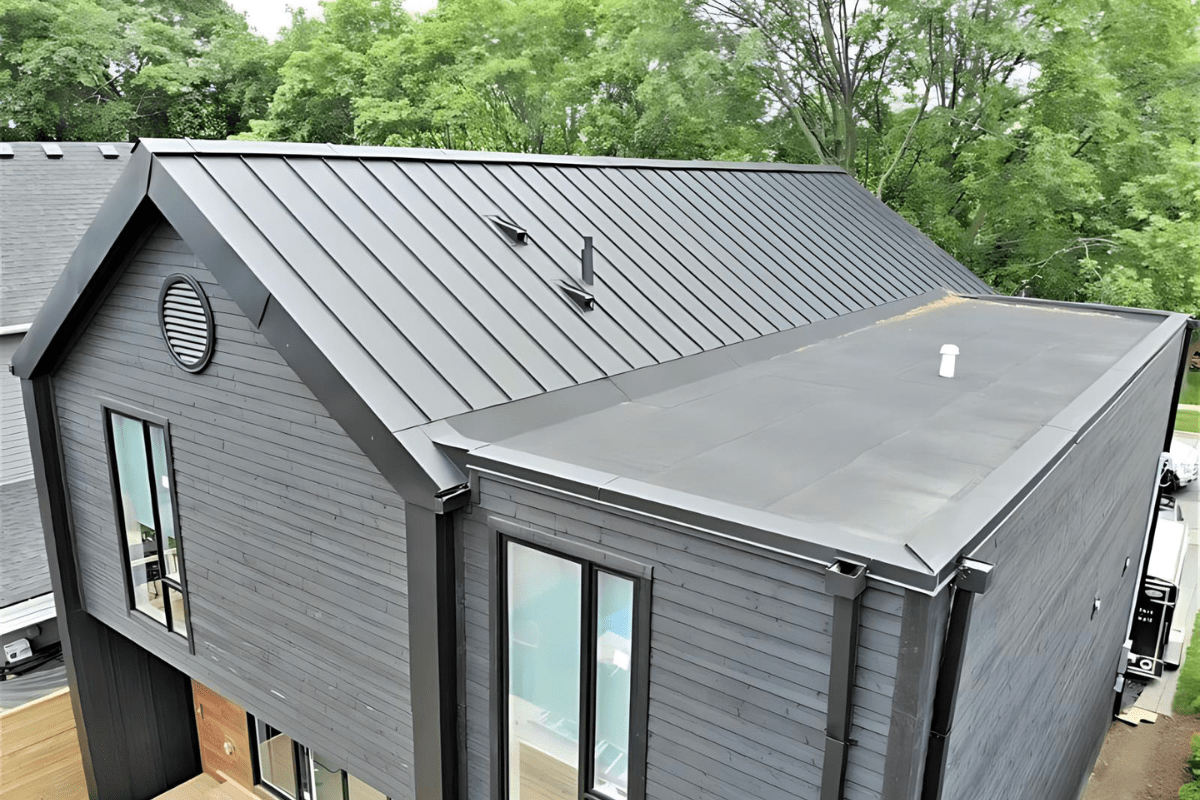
972	579
436	663
846	582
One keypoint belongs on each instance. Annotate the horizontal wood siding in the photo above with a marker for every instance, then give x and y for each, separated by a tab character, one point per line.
14	439
739	655
293	543
1037	684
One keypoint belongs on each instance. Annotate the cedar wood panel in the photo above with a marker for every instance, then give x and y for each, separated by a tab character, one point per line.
221	722
293	543
739	655
1037	683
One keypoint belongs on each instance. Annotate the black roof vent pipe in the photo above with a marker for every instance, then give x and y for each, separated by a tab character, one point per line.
589	275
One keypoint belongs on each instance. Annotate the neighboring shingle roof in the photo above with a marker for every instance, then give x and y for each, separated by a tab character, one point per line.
46	204
23	570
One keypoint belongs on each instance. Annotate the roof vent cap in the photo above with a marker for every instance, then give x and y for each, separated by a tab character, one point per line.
186	320
513	232
949	353
109	152
52	150
6	150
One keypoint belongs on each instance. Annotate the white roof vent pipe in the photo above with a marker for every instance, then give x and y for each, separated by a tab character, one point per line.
949	354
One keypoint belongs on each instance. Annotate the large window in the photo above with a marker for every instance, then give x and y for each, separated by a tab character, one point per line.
292	771
145	502
574	676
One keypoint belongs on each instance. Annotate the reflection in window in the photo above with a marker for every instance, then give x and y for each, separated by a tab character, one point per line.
614	657
328	780
569	633
544	616
276	760
295	772
147	509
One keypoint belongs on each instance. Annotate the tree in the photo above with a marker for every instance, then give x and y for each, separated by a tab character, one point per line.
111	70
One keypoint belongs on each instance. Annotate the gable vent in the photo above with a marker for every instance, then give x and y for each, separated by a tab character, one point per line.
187	322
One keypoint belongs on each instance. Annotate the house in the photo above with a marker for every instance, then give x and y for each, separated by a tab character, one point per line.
382	472
49	194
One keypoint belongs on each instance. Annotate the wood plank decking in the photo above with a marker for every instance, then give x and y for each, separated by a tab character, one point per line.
40	750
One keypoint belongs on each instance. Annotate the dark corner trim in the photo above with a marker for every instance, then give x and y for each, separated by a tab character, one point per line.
973	578
55	508
1180	376
846	582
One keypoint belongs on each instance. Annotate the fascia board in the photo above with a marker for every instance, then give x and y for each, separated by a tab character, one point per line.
407	459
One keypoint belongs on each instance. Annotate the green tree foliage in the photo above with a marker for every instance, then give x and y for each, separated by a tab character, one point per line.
110	70
1050	146
614	77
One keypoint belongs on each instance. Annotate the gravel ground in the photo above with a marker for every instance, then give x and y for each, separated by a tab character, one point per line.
1148	762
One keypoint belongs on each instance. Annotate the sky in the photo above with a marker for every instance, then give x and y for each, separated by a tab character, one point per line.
268	16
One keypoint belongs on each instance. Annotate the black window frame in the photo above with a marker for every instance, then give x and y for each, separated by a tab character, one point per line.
302	760
592	561
147	419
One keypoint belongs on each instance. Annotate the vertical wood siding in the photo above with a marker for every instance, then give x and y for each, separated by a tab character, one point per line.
1036	695
739	656
293	543
14	439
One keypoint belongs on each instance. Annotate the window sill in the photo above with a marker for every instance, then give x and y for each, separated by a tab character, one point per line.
161	632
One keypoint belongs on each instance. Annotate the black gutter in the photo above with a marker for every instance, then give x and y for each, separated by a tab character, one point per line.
972	579
846	582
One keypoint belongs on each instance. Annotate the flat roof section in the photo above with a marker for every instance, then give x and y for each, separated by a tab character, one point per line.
857	433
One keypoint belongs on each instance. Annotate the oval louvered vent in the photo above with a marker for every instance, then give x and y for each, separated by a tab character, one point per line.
187	322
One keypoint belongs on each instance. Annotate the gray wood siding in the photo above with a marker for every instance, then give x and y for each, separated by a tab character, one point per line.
1036	695
293	543
739	655
14	439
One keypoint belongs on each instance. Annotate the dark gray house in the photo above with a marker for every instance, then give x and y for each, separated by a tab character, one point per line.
49	194
374	472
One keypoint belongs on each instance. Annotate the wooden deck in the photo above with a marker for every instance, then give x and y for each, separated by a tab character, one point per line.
41	751
206	787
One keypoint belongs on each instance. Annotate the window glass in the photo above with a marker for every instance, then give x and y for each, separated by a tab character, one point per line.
614	658
327	779
178	611
137	515
544	611
276	760
360	791
166	511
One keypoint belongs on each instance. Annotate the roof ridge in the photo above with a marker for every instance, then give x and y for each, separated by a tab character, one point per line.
212	147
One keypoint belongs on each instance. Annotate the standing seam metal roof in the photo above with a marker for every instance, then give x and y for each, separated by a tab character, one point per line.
389	262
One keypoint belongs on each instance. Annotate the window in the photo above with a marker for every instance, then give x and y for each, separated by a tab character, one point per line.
292	771
145	504
574	675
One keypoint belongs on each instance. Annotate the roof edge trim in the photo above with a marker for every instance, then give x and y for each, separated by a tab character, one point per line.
761	529
994	499
414	468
